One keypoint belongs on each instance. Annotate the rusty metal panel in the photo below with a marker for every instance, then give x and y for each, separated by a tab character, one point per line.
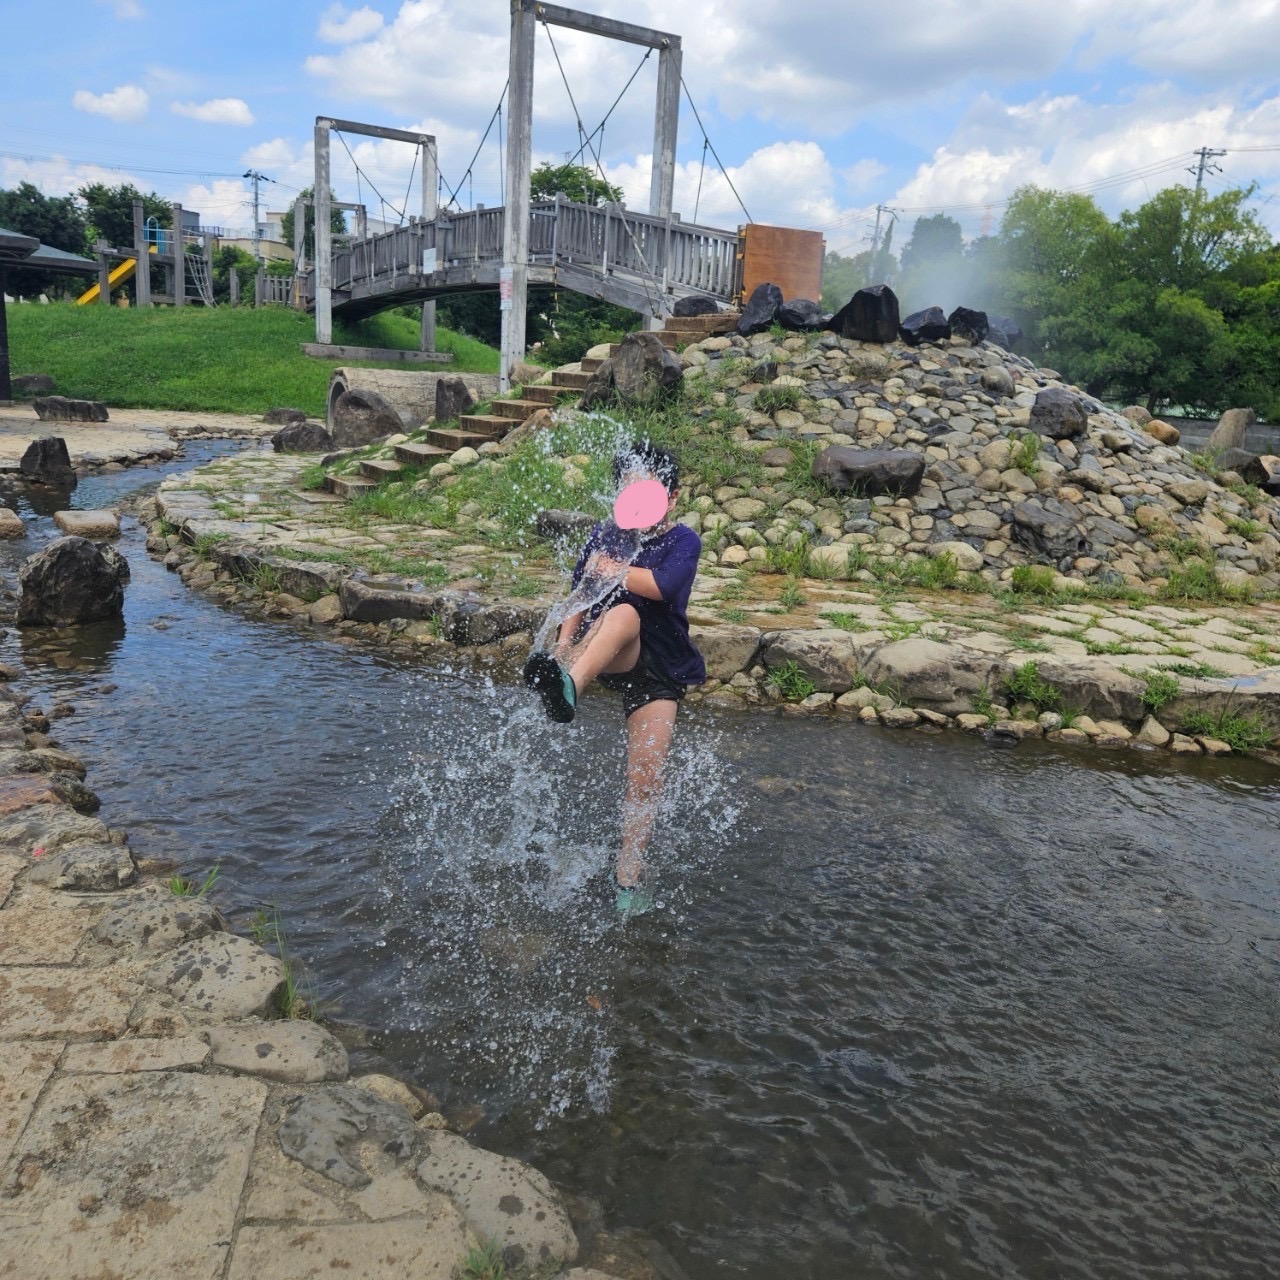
783	256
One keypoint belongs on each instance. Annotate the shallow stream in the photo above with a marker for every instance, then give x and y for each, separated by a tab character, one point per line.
911	1007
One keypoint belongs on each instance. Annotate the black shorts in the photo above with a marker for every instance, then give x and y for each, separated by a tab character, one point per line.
643	684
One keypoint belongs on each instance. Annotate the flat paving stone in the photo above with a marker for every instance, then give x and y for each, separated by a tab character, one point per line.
184	1053
21	791
156	923
94	525
293	1051
85	866
47	827
135	1176
31	934
39	1003
24	1069
223	976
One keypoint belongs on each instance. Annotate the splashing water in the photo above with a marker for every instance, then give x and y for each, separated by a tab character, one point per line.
504	834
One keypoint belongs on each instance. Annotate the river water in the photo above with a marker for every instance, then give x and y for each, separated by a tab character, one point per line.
910	1007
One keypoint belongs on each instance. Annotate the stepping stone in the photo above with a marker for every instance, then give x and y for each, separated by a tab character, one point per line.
292	1051
182	1053
452	441
93	525
349	486
222	975
10	525
420	455
518	410
156	923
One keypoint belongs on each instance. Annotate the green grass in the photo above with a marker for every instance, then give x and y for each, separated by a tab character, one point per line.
771	399
267	931
790	595
1194	670
1240	733
846	621
1196	580
791	681
1160	689
1025	685
1025	455
226	361
182	888
1250	530
1033	580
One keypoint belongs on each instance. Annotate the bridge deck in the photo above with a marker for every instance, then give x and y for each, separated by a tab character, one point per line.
630	259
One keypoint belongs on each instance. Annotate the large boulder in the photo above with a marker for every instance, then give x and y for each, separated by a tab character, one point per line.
283	417
60	409
70	581
696	304
46	461
1003	331
641	371
556	525
870	473
929	325
1229	433
454	398
925	673
1248	466
760	309
1058	414
871	315
972	326
302	437
801	315
361	416
830	658
1050	528
726	648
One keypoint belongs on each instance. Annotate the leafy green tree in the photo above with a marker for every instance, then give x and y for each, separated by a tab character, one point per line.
575	181
842	277
337	223
53	220
224	259
109	211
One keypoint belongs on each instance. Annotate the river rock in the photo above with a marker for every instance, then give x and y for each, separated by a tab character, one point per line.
929	325
997	379
48	828
1191	493
220	975
801	315
1093	687
943	677
1058	414
94	525
156	924
325	1130
971	326
71	581
361	416
502	1200
293	1051
829	658
759	310
283	417
10	525
1160	430
60	409
870	472
86	868
1050	527
726	648
1229	433
46	461
967	559
1137	415
303	437
695	304
381	597
871	315
469	622
453	398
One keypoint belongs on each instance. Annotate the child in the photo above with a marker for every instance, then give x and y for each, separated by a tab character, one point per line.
635	641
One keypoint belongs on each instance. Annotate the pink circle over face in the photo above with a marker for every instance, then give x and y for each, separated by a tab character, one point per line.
640	505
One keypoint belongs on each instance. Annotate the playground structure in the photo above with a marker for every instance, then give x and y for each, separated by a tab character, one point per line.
188	276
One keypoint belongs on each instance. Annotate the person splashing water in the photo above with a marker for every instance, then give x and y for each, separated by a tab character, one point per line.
630	630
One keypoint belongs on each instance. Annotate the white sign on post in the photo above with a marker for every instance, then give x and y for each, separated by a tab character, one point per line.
506	287
428	261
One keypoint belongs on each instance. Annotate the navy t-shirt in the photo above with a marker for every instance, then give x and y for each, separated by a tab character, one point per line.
672	558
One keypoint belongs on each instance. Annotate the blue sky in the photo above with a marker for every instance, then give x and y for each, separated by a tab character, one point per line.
819	110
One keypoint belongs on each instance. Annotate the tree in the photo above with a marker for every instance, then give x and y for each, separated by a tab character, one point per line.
337	223
575	181
53	220
224	259
109	211
933	270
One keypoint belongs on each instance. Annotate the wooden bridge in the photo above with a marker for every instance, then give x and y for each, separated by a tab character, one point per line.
630	259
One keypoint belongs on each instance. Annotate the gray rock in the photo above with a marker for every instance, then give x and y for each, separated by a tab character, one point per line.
801	315
293	1051
996	379
871	315
969	325
221	975
1137	414
726	648
49	827
870	472
46	461
361	416
1049	527
556	524
302	437
156	924
71	581
942	677
60	409
1058	414
1094	687
381	597
929	325
641	371
695	304
325	1130
1230	431
759	310
468	622
282	417
453	398
86	867
502	1200
829	658
1248	466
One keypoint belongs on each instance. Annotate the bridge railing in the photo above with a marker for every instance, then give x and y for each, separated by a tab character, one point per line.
663	254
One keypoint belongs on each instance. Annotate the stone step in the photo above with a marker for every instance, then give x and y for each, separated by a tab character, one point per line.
349	486
570	381
590	365
547	395
377	469
518	410
450	439
723	322
489	425
413	454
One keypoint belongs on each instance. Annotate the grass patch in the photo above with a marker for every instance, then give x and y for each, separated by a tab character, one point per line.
846	621
1250	530
1195	670
791	681
1196	580
789	557
771	399
1033	580
1026	685
1240	733
182	888
1025	453
1160	688
734	614
267	931
206	542
790	595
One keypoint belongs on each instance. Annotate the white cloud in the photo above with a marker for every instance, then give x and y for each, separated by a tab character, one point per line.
58	176
124	104
233	111
339	25
225	203
125	9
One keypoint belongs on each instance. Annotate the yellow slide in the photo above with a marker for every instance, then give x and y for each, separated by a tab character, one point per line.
121	273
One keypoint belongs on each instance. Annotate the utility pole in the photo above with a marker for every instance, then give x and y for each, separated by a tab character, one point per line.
257	229
881	209
1206	165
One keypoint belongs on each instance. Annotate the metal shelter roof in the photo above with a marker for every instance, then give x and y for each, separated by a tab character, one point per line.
18	250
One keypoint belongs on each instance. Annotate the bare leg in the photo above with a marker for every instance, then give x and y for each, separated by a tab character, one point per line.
613	644
649	731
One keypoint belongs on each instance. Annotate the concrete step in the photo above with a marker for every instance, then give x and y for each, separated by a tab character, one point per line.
349	486
377	469
489	425
570	381
518	410
704	326
413	454
451	439
589	366
548	395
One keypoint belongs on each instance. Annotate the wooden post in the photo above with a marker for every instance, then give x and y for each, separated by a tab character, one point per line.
515	231
179	260
104	273
6	385
299	253
666	122
233	279
259	286
142	272
324	237
208	264
430	170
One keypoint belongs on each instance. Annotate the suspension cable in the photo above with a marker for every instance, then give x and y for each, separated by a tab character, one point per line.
702	168
467	172
409	185
710	144
600	127
386	204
